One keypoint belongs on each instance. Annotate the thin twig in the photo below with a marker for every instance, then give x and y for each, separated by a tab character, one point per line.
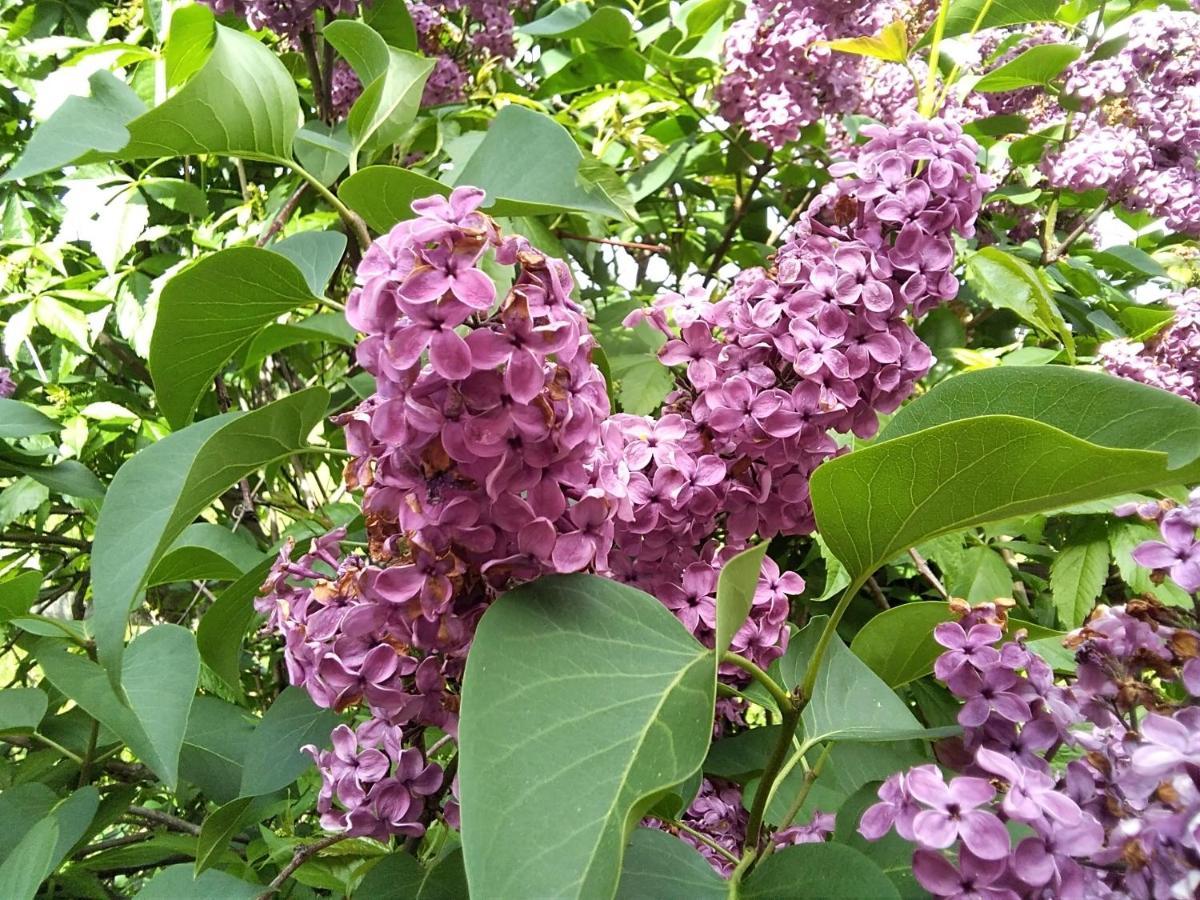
628	245
927	573
281	217
877	594
1049	256
174	823
299	858
740	208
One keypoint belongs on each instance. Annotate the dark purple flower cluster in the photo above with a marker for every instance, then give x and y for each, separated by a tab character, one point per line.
1141	137
372	785
1118	816
287	18
8	387
718	814
1170	359
462	35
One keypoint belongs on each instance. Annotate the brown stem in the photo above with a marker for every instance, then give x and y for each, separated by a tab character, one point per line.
309	46
877	595
174	823
1050	256
628	245
927	573
740	208
299	858
281	217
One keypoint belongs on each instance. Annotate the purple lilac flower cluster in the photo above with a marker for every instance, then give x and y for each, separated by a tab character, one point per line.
1177	555
1170	359
1141	139
779	78
462	35
8	387
372	785
287	18
1119	816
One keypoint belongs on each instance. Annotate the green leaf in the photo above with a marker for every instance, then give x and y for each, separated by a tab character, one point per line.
315	253
392	83
159	675
850	702
398	876
80	126
602	66
1037	65
157	493
19	420
964	14
659	866
1006	282
18	593
21	804
21	709
329	328
604	25
240	102
393	22
899	647
223	626
205	551
179	883
828	871
890	44
209	310
383	195
69	477
1077	576
584	702
500	165
62	320
273	759
735	592
324	150
982	577
219	826
214	746
1099	408
29	862
898	492
642	383
83	681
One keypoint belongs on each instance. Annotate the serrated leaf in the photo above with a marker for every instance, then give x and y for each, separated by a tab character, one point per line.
1006	282
1077	576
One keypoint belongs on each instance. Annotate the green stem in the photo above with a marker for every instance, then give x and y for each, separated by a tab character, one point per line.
814	664
706	840
953	76
353	221
782	697
810	778
939	28
53	745
86	764
791	719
